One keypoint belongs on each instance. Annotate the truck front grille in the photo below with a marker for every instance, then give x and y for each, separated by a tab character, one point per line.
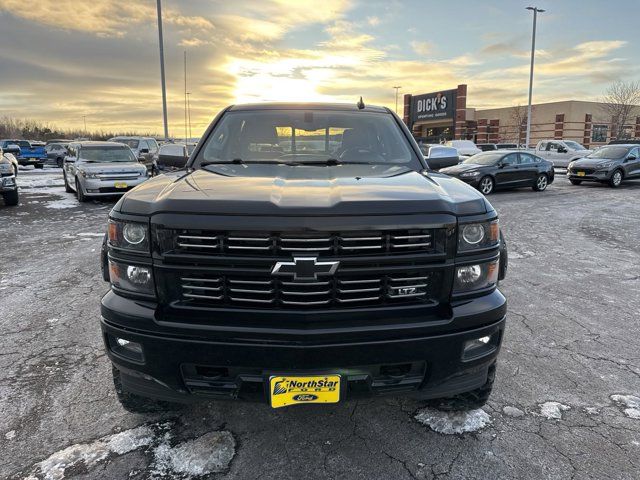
340	291
199	242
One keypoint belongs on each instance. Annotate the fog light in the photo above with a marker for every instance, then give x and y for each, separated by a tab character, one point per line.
469	274
479	347
138	275
93	190
126	348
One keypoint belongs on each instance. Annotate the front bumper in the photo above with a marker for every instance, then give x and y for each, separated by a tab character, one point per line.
8	184
188	363
96	187
597	176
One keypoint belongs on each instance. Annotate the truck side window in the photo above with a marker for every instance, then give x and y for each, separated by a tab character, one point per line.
543	146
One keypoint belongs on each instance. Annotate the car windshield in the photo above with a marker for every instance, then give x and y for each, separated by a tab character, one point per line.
487	158
307	137
107	154
133	143
574	145
609	152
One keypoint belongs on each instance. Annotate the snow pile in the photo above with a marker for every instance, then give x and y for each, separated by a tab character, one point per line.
512	411
39	181
553	410
451	423
209	453
631	402
65	202
90	454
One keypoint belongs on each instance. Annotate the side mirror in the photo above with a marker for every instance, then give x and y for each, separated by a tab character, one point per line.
501	164
562	150
631	157
69	160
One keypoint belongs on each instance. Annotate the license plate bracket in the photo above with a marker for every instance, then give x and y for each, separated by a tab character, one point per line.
286	390
120	185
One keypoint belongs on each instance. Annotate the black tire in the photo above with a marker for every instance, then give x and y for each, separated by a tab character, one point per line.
59	162
616	178
575	182
79	193
486	185
11	199
67	188
137	404
467	400
542	182
39	166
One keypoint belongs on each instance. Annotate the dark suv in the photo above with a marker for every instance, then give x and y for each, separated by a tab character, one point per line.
306	255
610	164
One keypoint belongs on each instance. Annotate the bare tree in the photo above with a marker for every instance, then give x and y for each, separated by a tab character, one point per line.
518	116
620	99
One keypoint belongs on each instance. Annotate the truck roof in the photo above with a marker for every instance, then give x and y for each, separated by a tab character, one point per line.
348	107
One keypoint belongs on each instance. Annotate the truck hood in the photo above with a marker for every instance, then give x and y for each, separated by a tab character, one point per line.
303	190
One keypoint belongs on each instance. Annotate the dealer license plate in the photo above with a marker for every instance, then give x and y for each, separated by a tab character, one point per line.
120	185
294	390
581	174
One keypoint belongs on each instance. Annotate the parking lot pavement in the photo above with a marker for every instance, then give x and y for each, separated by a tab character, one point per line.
565	404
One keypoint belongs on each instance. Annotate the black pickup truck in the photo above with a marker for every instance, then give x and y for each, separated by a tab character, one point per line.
307	254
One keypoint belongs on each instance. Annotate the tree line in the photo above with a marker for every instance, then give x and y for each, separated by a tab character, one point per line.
35	130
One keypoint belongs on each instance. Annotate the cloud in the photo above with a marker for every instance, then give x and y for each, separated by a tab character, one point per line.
373	21
422	48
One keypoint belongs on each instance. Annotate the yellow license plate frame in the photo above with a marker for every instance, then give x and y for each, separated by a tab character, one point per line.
120	185
581	174
286	390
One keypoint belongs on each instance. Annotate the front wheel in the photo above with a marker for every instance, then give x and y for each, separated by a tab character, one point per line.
468	400
39	166
541	183
135	403
79	192
575	182
616	179
486	185
10	198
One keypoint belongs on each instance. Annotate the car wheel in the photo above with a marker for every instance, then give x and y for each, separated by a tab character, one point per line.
79	193
11	198
575	182
616	179
67	188
137	404
541	183
59	162
467	400
486	185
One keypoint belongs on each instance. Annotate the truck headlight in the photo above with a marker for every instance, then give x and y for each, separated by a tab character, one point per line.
474	236
129	235
476	277
132	278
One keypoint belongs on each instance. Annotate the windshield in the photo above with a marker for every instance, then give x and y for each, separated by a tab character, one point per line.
133	143
307	136
609	152
107	154
574	145
487	158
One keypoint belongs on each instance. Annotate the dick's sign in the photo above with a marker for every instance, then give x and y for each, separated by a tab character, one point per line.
433	106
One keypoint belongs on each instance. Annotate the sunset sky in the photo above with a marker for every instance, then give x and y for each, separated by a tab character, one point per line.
62	59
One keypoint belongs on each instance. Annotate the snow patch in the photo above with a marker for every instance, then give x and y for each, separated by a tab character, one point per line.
90	234
39	181
204	455
631	402
90	454
66	202
553	410
450	423
10	435
512	411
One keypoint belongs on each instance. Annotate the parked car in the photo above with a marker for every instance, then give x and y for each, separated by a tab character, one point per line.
8	185
98	169
624	142
486	147
489	171
466	148
440	156
56	153
611	164
508	146
12	159
144	148
173	156
27	154
560	152
304	277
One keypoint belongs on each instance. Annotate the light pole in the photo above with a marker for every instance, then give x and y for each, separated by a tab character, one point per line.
397	88
84	117
164	87
189	111
185	96
535	11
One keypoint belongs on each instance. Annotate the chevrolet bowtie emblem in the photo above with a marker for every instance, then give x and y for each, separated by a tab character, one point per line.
305	268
